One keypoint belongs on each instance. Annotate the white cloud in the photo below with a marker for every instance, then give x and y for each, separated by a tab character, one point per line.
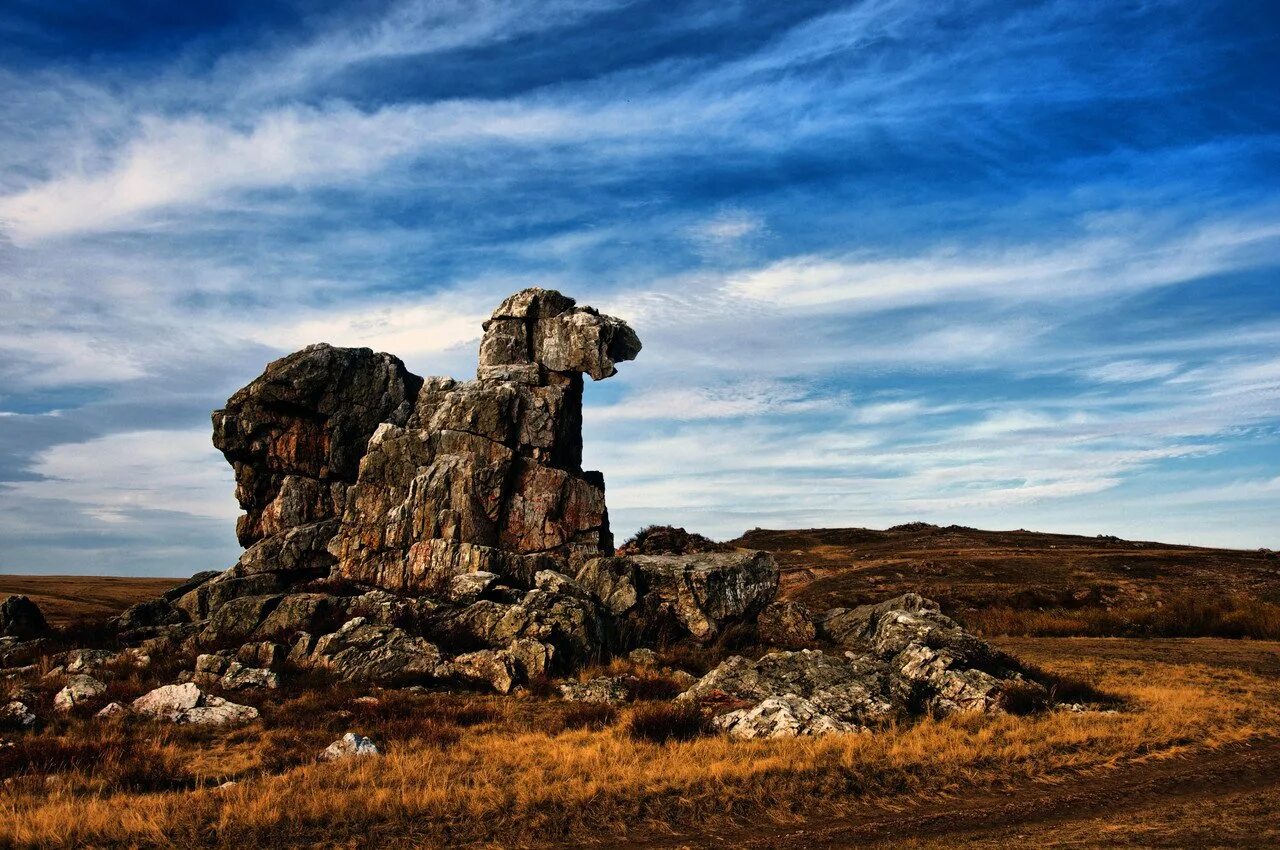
112	476
1132	371
1084	268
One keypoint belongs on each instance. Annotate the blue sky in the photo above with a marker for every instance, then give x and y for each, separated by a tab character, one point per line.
998	264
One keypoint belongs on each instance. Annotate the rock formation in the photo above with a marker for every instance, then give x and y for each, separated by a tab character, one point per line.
402	531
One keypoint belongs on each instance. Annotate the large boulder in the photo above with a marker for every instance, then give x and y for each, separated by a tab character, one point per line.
21	618
185	703
670	595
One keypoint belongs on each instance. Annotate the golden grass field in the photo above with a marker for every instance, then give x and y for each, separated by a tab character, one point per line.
489	771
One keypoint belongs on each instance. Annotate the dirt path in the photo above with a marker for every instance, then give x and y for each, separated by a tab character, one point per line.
1016	816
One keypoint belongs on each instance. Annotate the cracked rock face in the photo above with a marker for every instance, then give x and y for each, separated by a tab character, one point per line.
486	475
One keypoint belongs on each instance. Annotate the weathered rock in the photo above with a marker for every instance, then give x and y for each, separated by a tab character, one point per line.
110	710
847	690
786	716
486	475
239	618
239	677
318	613
696	594
786	624
175	593
79	688
150	614
15	715
853	626
84	661
208	598
489	666
14	652
467	587
21	618
296	434
570	624
348	746
602	689
186	703
364	652
264	654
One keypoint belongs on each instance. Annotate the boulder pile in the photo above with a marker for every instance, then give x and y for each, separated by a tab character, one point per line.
402	531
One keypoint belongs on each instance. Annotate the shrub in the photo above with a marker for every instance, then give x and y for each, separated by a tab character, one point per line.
645	685
589	715
667	721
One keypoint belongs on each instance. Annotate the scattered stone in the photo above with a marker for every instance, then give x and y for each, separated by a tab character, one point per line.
603	689
239	677
186	703
79	688
83	661
110	710
643	657
21	618
16	715
348	746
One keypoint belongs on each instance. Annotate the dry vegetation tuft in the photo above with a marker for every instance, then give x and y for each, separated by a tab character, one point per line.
1181	615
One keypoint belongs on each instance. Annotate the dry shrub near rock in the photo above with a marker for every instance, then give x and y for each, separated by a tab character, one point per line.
661	722
589	715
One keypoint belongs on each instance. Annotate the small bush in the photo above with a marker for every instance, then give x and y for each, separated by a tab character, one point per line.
653	686
667	721
1023	698
589	715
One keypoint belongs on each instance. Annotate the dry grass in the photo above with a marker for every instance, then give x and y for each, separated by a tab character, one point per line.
475	770
1182	615
64	599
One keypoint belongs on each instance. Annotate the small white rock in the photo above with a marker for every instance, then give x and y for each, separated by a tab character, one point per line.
111	709
349	745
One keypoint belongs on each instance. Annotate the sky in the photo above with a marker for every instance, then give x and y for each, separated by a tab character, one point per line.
1007	265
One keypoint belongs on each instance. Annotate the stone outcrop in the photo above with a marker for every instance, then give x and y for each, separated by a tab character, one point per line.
905	658
295	436
402	531
486	475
